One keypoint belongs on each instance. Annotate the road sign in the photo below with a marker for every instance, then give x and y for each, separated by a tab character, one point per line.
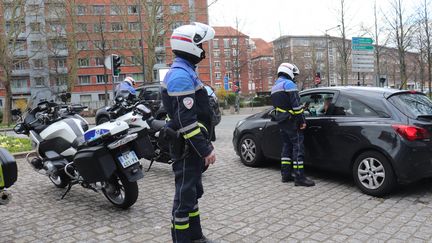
226	84
363	59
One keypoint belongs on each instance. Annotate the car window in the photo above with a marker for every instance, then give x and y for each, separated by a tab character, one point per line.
151	93
317	104
412	104
352	107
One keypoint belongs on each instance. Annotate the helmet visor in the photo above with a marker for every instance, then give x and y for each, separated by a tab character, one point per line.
203	33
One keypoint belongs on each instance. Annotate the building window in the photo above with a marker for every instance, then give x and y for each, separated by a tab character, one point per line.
59	45
226	43
176	24
217	64
83	62
38	64
117	44
160	58
139	77
216	53
135	60
116	27
82	45
175	8
35	27
216	43
20	65
39	81
218	75
32	9
102	97
307	54
234	52
115	10
227	53
57	27
228	64
82	28
133	9
85	98
84	79
19	83
98	10
61	63
61	81
134	26
99	27
80	10
229	75
100	79
36	45
99	61
234	41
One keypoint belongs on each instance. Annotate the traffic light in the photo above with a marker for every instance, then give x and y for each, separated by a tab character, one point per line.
116	63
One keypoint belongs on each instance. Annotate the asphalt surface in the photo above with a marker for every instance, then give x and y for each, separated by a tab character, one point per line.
240	204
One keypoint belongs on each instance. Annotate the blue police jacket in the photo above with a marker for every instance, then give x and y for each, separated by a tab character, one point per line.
124	87
187	105
286	100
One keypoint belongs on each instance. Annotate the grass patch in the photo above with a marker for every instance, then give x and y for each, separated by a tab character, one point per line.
15	145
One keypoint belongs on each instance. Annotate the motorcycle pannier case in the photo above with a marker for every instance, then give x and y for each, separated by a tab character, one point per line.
95	164
142	146
8	169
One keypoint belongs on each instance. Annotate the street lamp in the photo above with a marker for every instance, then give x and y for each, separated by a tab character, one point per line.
327	60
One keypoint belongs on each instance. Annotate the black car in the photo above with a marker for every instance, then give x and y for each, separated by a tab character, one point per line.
381	136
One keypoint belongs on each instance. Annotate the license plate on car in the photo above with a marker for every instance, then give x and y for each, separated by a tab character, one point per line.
129	158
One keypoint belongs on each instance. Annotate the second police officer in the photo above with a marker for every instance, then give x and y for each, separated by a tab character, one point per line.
187	104
289	115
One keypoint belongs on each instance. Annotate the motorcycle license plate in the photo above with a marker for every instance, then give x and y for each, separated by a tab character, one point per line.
127	159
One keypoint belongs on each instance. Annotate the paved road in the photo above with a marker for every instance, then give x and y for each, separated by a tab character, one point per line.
240	204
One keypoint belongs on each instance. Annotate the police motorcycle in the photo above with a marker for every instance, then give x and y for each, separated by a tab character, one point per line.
126	111
8	175
104	158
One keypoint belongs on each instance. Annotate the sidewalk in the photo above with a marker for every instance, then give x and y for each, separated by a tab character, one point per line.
245	111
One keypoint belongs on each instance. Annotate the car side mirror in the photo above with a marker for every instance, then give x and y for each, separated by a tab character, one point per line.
272	115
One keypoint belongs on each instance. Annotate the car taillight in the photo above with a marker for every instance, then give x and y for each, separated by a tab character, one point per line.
412	133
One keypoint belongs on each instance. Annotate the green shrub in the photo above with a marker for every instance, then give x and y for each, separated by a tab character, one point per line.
230	98
258	101
14	144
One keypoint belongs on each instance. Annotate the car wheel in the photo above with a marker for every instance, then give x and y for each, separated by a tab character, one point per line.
373	174
250	151
102	120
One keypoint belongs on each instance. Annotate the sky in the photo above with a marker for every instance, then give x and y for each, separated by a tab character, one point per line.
269	19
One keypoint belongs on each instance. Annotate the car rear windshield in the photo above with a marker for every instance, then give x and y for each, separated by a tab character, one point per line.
413	105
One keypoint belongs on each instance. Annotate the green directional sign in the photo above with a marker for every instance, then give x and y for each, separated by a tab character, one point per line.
361	40
355	47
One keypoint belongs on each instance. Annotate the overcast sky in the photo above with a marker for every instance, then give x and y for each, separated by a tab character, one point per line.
268	19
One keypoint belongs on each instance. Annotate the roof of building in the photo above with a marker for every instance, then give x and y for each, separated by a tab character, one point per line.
262	48
227	31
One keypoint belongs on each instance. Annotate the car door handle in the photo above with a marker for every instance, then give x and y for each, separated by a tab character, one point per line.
315	127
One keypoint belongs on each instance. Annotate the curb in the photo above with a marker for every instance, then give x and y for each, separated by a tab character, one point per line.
22	155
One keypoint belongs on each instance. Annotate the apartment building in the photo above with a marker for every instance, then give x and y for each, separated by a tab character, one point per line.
263	66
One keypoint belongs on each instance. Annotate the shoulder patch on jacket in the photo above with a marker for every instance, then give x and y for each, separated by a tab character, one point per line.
188	102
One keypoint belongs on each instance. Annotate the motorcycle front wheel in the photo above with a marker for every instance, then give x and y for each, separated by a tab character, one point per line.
121	192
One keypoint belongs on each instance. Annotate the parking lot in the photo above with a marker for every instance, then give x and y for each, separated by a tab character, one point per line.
240	204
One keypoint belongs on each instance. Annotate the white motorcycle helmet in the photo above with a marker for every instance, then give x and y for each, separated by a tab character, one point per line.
289	69
186	41
130	81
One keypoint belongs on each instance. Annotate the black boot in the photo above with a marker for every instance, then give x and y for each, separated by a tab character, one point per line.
303	181
286	168
180	232
203	239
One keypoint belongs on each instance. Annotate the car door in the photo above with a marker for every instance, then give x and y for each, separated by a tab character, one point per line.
320	125
271	140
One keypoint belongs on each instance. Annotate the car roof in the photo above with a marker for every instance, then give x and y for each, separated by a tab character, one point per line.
367	91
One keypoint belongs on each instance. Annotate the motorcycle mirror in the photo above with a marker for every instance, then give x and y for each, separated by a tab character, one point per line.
18	128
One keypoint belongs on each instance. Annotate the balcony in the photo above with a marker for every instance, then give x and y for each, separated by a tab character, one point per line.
21	72
22	90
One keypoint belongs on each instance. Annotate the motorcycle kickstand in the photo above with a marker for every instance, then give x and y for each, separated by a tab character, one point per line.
151	163
67	190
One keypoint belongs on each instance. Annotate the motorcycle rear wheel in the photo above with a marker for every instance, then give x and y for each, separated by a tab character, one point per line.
121	192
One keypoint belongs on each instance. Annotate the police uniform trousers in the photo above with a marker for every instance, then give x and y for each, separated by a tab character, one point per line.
186	224
292	149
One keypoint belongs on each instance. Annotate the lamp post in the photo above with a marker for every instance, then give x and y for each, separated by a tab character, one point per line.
327	60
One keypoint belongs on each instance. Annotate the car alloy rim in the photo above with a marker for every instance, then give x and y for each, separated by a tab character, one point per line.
248	150
371	173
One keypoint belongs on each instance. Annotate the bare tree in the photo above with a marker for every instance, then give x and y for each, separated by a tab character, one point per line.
402	28
343	48
12	41
425	20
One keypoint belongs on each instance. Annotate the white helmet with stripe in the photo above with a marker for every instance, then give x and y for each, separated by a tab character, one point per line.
186	40
290	69
130	81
